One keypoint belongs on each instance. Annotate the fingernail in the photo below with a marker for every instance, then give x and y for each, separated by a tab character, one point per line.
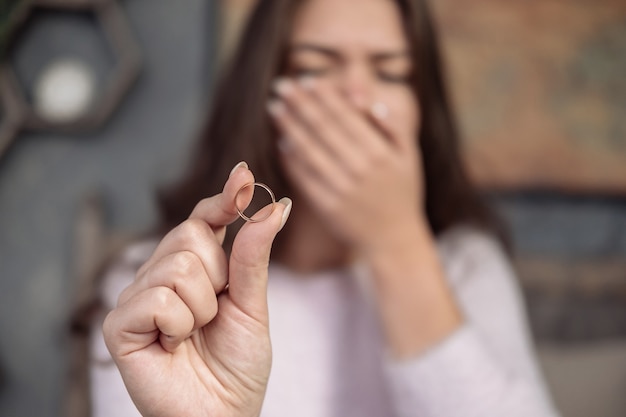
275	107
307	82
283	86
286	201
380	110
241	164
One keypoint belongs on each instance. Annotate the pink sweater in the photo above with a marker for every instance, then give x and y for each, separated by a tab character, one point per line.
330	358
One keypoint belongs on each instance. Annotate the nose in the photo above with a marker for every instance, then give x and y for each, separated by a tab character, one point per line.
357	85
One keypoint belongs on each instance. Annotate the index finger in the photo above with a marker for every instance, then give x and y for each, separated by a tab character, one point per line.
211	216
349	116
220	210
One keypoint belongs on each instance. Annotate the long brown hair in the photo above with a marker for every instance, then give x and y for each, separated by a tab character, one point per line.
238	127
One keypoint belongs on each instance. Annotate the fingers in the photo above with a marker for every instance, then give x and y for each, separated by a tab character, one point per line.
175	291
197	237
305	108
353	121
378	117
249	261
155	314
335	122
327	137
316	188
308	156
171	299
183	273
220	210
203	232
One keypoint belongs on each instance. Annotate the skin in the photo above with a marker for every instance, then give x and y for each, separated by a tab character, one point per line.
359	169
183	343
186	345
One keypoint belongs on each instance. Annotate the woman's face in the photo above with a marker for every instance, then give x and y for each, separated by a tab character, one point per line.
360	47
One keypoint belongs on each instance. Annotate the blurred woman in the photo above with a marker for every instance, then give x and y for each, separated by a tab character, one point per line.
388	290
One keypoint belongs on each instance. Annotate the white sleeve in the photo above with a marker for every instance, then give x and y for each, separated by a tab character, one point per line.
487	368
109	396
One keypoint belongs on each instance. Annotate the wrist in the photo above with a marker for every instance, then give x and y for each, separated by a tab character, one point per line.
405	239
416	306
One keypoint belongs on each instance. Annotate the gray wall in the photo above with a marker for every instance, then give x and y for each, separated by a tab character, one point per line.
44	177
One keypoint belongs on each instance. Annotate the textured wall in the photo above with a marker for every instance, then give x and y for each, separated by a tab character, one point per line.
571	260
44	177
540	89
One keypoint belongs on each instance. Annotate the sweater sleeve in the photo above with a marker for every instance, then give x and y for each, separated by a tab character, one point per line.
108	392
487	367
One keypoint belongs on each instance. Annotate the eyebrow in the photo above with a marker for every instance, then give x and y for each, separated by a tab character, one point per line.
334	54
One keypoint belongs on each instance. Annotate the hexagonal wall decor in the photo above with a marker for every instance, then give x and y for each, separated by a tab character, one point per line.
12	113
66	99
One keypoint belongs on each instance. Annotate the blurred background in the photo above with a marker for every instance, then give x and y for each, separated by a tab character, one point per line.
101	99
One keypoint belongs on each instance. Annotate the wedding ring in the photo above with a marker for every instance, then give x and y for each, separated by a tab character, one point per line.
240	211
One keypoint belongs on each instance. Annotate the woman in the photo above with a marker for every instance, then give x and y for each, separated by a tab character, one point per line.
388	292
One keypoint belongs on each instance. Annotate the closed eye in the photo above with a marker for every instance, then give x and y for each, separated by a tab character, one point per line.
309	71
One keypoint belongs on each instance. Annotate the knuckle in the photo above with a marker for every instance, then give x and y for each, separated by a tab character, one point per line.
186	263
192	230
163	298
250	258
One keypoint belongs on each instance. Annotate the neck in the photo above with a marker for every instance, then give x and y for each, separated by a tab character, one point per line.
305	244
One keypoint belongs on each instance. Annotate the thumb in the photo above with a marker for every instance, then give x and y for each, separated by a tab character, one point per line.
249	261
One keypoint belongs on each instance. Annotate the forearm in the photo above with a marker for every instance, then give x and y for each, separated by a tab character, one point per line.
416	306
486	366
460	378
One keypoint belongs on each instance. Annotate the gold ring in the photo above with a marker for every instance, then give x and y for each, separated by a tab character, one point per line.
240	211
